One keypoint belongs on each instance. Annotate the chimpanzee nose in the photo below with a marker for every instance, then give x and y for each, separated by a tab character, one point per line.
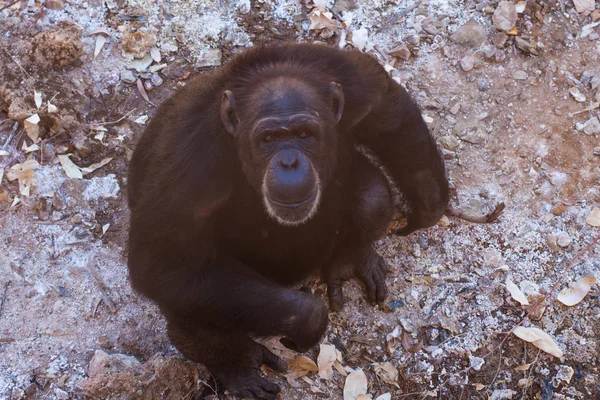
288	159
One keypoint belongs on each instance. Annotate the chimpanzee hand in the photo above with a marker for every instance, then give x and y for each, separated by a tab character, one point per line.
242	376
367	266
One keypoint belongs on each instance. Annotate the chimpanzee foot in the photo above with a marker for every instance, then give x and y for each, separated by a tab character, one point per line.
368	266
242	376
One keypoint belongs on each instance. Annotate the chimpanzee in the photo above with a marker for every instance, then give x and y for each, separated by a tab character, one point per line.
249	179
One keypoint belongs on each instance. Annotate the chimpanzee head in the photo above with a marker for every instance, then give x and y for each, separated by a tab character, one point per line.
286	135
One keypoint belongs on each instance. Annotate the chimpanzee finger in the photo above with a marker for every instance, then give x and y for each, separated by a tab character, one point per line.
405	230
384	266
272	361
305	289
289	343
370	287
382	292
335	294
264	393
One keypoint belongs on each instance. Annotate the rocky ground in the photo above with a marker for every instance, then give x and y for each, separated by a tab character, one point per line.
510	91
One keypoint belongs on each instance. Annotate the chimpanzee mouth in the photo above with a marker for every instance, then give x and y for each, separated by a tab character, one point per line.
292	214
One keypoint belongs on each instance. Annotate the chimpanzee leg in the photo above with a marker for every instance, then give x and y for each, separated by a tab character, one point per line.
369	212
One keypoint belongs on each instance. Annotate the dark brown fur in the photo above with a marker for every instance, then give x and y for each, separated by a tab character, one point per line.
202	245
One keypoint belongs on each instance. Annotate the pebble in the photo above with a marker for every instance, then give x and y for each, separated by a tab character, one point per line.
448	154
500	39
148	86
582	6
467	63
551	240
54	4
577	95
502	394
61	394
597	151
210	58
525	45
401	51
413	39
489	51
558	209
141	64
156	79
520	75
564	240
454	110
471	34
592	126
596	16
128	76
505	16
564	374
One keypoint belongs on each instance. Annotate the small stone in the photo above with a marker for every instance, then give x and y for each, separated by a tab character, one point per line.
210	58
505	16
500	39
141	64
156	79
526	46
499	56
577	95
520	75
128	76
413	39
564	374
31	390
444	222
476	362
61	394
54	4
591	126
597	151
471	34
596	16
584	6
502	394
148	86
448	155
551	240
594	218
564	240
467	63
520	7
454	110
344	5
401	51
449	142
558	209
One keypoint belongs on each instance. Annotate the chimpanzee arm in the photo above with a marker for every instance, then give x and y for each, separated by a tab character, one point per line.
395	131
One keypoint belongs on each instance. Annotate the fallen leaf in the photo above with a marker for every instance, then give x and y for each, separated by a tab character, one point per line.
320	4
539	339
322	20
584	6
30	149
523	367
577	291
303	363
523	383
72	170
340	368
25	175
479	386
408	346
516	293
105	228
355	385
364	397
385	396
4	196
37	98
594	218
32	127
100	41
392	340
95	166
155	54
52	108
325	360
387	372
141	120
142	91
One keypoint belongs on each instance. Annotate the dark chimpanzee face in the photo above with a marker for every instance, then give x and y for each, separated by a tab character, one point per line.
286	135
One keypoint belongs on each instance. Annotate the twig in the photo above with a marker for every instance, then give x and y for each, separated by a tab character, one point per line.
16	62
103	289
6	285
479	219
10	4
590	108
111	122
11	135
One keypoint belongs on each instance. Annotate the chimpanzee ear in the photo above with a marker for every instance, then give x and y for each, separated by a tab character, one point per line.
337	100
228	116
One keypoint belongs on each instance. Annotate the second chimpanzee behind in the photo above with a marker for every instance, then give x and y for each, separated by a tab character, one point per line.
248	180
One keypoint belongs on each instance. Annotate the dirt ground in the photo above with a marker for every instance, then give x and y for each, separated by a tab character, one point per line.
515	114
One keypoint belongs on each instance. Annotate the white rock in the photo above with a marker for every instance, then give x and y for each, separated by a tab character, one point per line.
210	58
577	95
592	126
564	240
467	63
505	16
584	5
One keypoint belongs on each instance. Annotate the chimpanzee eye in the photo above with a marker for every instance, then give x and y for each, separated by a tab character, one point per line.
303	135
269	138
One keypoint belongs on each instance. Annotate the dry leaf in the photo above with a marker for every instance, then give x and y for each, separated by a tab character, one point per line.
594	218
385	396
155	54
4	196
72	170
105	228
523	367
1	174
93	167
387	372
322	20
360	37
37	98
51	108
523	383
141	120
303	363
364	397
325	360
320	4
30	149
479	386
25	175
516	293
539	339
32	127
356	384
340	368
392	340
100	41
577	291
140	86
